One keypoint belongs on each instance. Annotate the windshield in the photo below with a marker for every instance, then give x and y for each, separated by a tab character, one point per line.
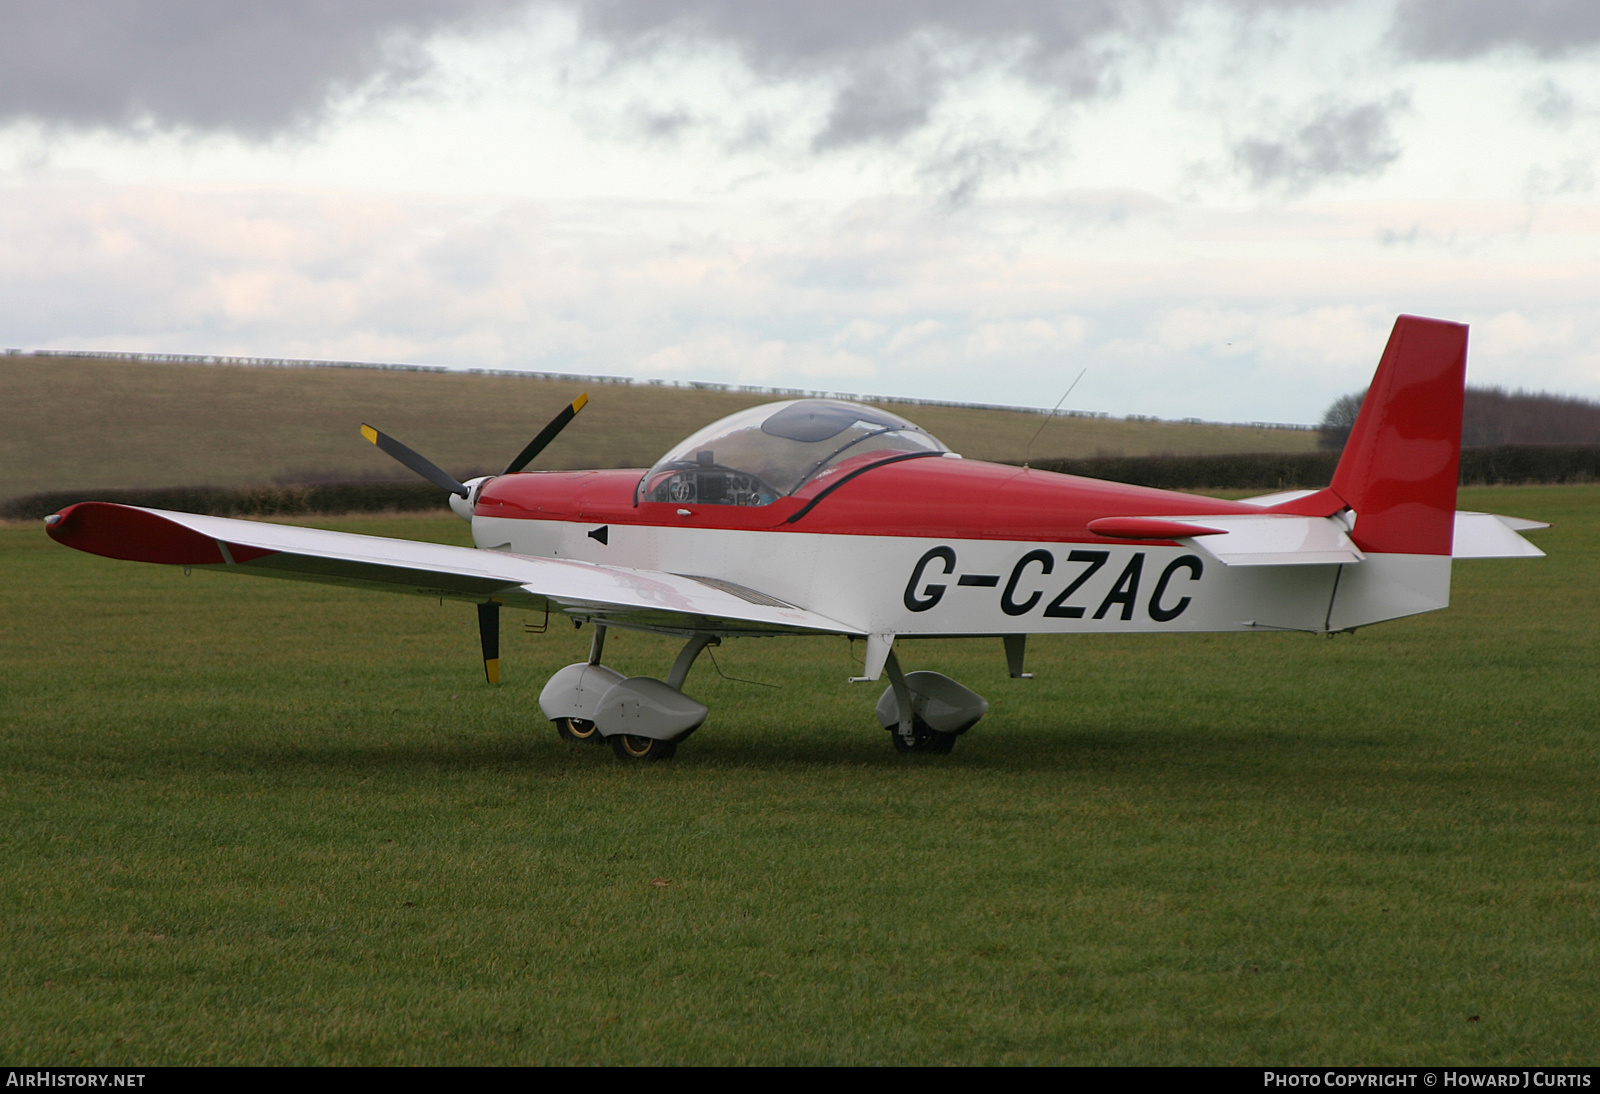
767	452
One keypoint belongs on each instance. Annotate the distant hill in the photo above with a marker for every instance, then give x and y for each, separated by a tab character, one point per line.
73	422
1491	416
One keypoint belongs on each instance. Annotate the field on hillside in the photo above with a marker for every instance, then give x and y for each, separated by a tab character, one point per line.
263	822
74	423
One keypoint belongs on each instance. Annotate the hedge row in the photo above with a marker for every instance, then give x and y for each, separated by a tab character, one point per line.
1501	465
1511	464
249	501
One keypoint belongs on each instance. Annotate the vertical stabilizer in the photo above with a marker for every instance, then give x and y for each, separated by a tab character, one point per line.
1401	464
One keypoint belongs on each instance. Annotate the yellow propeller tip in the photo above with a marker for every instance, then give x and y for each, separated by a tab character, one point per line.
580	402
369	433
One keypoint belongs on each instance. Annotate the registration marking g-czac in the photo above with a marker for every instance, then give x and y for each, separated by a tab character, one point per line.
923	593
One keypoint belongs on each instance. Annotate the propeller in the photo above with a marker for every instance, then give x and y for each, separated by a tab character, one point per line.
416	461
547	434
441	478
489	613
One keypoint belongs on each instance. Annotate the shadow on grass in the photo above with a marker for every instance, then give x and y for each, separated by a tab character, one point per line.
1069	750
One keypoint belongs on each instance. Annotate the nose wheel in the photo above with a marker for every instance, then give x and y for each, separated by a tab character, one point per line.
643	718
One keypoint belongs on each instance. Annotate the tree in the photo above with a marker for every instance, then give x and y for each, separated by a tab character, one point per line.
1494	416
1490	416
1340	419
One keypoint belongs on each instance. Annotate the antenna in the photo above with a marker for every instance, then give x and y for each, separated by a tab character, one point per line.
1046	422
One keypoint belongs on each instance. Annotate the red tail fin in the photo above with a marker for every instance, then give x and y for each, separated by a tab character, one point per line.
1401	463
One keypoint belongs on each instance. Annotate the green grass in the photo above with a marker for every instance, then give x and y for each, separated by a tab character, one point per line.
260	822
75	423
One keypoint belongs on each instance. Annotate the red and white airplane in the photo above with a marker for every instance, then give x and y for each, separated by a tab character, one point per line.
816	516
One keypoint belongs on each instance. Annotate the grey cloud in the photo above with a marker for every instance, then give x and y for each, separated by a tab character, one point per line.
663	123
1418	236
889	64
1339	142
959	170
894	60
879	103
256	67
1553	103
789	37
249	66
1452	29
1573	176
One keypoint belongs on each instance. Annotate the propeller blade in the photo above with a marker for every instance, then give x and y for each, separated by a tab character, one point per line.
489	635
546	435
415	460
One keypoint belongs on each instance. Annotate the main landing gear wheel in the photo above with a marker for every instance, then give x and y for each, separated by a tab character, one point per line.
577	729
629	747
924	738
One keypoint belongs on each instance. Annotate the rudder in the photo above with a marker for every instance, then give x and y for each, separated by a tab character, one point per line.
1400	467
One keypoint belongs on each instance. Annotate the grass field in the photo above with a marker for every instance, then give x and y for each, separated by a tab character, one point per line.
259	822
73	423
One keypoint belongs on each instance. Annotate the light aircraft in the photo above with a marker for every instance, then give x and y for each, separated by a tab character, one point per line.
817	516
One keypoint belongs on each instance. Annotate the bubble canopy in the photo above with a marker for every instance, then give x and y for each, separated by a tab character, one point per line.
759	455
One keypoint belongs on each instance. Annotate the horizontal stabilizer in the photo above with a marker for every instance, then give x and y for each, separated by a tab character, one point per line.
1267	501
1489	535
1272	539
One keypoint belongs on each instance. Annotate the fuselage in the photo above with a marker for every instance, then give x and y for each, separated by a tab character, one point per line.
919	546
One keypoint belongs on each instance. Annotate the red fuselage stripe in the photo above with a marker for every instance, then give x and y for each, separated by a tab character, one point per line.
925	498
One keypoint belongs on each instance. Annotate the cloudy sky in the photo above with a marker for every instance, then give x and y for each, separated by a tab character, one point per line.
1216	208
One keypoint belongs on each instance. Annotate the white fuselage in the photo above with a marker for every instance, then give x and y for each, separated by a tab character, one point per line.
919	586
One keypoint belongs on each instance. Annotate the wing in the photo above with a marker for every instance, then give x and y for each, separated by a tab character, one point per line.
618	595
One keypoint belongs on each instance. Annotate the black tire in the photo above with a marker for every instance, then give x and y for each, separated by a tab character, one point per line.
577	729
924	738
639	749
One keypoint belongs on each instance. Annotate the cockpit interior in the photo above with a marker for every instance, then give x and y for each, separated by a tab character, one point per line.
759	455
